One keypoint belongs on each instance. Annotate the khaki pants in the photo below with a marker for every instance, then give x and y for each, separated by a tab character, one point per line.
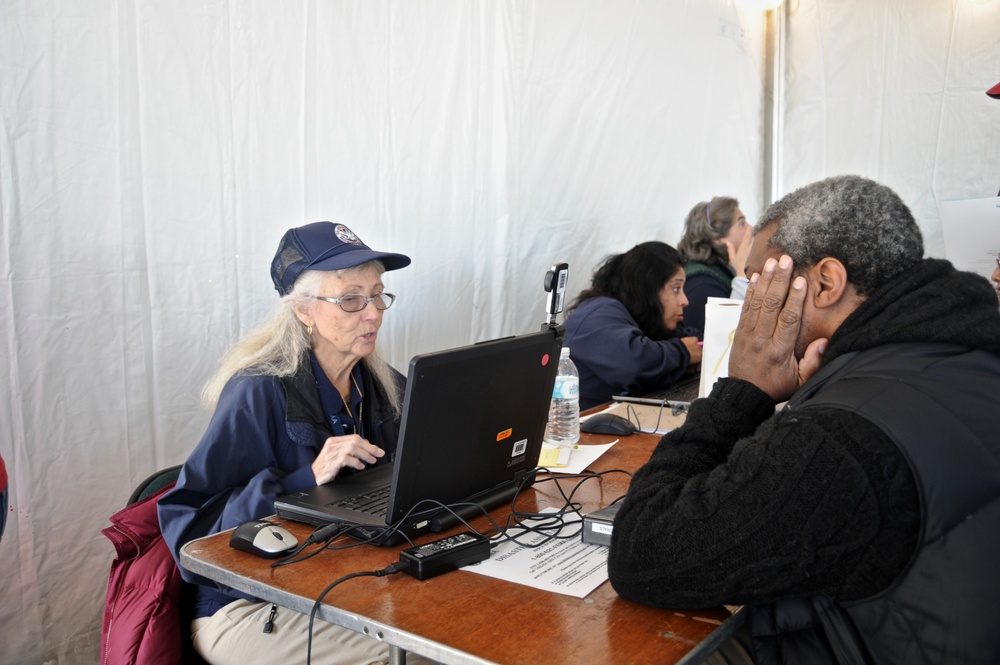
235	636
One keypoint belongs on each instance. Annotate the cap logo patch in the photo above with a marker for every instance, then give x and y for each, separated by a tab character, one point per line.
346	235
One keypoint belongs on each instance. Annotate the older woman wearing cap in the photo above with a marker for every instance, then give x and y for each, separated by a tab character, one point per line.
300	401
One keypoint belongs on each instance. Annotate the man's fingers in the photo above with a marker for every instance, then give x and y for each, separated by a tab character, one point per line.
775	280
786	330
764	348
751	305
766	296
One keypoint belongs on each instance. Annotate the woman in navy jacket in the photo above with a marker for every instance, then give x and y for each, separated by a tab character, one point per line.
299	402
625	332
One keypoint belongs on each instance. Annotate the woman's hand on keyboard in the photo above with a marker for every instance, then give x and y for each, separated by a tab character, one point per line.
344	451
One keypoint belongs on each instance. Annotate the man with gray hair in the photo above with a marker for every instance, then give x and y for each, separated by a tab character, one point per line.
860	523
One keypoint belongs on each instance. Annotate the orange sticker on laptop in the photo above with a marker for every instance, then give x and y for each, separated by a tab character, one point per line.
504	434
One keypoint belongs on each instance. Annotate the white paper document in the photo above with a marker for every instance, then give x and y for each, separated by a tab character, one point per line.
568	566
572	460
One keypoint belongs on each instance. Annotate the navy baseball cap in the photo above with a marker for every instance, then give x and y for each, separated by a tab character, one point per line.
323	246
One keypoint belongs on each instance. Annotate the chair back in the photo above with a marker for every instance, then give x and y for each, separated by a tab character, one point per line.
154	483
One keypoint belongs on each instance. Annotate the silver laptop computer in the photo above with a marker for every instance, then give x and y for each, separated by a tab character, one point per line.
471	434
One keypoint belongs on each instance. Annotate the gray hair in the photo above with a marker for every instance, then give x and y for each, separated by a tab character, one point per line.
706	224
863	224
278	346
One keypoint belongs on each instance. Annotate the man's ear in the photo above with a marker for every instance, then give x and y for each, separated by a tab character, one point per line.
829	277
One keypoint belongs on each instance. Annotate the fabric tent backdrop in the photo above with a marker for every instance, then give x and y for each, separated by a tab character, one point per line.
152	154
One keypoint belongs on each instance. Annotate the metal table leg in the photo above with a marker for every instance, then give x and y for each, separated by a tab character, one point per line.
397	655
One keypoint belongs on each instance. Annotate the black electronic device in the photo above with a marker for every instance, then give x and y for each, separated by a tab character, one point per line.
264	539
608	423
445	555
598	525
555	286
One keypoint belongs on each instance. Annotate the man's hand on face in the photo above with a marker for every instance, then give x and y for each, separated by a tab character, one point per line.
763	350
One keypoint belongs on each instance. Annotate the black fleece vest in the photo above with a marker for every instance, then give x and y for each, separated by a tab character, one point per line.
723	274
940	404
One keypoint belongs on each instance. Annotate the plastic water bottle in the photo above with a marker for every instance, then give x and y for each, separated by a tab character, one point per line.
564	411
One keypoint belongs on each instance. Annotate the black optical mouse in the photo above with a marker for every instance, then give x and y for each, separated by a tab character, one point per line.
263	539
608	423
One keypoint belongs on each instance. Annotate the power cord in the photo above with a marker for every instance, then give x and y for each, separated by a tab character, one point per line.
423	562
391	569
548	524
325	535
450	553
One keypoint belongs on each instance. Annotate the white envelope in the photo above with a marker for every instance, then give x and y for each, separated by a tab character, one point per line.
722	315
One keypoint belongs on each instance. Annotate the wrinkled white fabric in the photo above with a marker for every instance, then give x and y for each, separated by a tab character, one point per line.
153	153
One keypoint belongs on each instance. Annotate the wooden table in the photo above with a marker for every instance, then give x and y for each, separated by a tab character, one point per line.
462	617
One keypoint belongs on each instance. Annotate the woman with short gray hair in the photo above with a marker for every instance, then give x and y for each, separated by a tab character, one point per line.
715	243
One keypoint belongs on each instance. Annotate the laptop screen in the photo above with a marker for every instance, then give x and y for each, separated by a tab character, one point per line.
473	418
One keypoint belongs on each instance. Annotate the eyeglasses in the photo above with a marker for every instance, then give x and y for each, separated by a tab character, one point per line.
355	302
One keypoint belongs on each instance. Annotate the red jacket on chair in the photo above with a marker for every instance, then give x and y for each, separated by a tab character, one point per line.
142	619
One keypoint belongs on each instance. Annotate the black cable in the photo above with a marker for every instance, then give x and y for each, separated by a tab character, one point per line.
630	411
548	524
421	509
324	534
391	569
551	522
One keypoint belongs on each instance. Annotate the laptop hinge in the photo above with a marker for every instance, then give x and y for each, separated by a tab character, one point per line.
445	519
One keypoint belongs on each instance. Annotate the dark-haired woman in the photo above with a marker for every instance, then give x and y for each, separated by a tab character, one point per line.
715	245
624	332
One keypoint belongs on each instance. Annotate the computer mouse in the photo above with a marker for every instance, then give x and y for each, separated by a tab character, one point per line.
608	423
264	539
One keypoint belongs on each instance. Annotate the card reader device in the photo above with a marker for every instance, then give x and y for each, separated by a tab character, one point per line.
597	526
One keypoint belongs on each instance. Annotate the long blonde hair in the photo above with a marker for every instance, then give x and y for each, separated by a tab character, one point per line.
279	345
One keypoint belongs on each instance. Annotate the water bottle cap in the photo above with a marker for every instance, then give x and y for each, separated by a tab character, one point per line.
564	352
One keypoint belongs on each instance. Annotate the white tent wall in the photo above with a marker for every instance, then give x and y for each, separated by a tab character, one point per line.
153	153
894	90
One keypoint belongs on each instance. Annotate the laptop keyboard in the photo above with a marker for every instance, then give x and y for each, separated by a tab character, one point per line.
375	502
684	390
